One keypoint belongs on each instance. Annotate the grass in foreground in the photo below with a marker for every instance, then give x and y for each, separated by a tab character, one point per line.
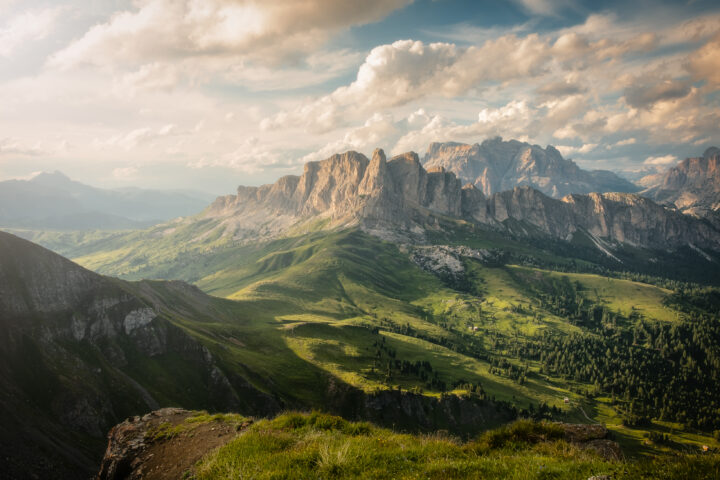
316	445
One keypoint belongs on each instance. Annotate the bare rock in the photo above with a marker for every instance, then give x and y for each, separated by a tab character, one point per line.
496	165
593	437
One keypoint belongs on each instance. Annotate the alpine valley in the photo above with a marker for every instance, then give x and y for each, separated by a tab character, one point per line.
484	284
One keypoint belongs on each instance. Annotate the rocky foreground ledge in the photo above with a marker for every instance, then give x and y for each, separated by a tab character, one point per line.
167	443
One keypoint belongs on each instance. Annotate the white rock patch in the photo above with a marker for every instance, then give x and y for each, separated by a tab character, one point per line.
138	318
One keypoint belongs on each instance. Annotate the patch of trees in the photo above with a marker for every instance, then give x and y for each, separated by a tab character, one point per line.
390	367
695	301
565	298
468	346
502	367
651	371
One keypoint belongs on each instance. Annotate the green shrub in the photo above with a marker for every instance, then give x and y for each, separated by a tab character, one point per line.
520	432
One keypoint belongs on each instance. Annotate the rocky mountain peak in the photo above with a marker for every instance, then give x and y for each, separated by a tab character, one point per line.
376	179
693	186
496	165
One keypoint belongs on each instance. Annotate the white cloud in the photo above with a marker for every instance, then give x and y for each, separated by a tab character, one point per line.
124	173
139	136
567	150
704	64
29	26
251	157
377	130
570	63
627	141
647	90
171	30
408	70
660	161
544	7
14	147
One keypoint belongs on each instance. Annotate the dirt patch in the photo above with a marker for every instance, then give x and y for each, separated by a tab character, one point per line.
165	444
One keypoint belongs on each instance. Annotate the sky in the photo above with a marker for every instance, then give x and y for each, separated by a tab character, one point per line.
212	94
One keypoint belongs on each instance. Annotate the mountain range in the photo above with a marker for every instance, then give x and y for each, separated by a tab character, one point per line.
53	201
398	199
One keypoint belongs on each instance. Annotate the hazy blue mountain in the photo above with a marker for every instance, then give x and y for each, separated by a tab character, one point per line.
54	201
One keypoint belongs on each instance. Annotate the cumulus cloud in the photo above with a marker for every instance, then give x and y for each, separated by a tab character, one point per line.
407	70
592	87
29	26
139	136
646	91
544	7
15	147
267	32
627	141
704	64
379	129
660	161
250	157
567	150
124	173
569	85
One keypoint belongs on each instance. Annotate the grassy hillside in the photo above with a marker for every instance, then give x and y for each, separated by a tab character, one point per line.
348	306
311	446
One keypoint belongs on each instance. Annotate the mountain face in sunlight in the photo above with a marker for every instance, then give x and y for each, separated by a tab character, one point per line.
495	166
692	185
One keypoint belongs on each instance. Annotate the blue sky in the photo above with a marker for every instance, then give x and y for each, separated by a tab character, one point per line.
215	93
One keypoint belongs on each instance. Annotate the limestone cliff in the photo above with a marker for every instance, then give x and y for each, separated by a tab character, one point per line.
619	217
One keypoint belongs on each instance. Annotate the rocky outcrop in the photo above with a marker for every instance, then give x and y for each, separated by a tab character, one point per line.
496	165
693	186
593	437
163	444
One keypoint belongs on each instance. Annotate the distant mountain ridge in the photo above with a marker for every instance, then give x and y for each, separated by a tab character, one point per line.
495	165
54	201
401	195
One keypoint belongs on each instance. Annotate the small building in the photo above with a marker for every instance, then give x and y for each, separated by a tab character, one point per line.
566	400
705	448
